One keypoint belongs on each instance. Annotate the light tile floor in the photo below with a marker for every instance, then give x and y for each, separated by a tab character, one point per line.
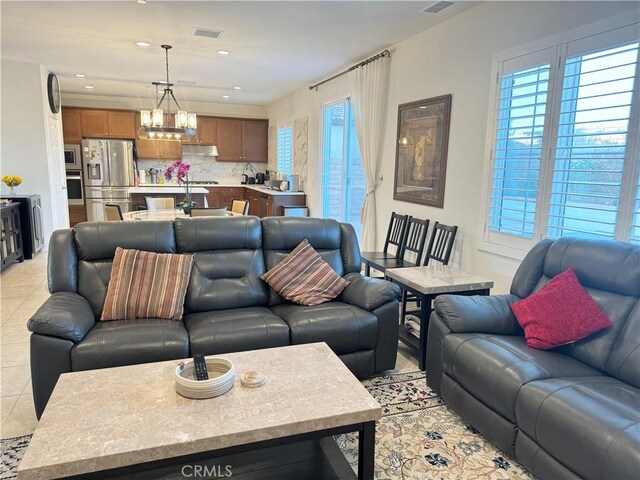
23	289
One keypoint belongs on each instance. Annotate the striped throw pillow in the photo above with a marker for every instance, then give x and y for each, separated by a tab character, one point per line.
303	277
147	285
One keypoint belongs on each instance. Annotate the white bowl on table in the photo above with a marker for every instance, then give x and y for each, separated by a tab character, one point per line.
221	379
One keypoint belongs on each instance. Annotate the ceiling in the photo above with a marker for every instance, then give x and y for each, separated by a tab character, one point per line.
276	47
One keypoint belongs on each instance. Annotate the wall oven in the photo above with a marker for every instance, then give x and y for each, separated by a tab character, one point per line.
75	188
72	157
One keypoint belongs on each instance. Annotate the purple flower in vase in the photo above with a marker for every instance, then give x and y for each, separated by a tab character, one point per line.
181	170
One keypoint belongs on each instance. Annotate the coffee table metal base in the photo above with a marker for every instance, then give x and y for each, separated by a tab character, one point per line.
312	455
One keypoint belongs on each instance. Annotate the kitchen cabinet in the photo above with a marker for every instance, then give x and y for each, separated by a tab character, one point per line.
229	133
228	194
108	123
71	126
77	214
254	140
242	140
10	235
158	149
206	132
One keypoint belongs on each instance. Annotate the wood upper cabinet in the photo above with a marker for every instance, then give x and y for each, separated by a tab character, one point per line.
242	140
229	133
107	123
71	125
206	133
157	149
254	140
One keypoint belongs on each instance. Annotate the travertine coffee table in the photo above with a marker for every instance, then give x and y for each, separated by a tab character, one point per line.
128	422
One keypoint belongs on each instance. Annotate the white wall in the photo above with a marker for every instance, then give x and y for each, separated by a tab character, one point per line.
26	133
453	57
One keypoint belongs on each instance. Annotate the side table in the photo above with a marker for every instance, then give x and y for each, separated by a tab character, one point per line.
426	283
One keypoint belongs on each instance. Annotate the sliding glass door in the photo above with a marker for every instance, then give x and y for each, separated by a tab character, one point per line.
343	183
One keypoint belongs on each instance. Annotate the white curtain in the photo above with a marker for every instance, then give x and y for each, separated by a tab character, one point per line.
369	90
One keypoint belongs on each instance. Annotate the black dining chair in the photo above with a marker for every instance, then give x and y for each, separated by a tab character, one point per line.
412	250
439	250
396	234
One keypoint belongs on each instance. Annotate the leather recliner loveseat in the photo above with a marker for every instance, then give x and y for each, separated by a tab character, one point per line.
567	413
227	306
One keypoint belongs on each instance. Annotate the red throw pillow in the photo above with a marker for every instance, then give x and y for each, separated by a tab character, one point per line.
561	312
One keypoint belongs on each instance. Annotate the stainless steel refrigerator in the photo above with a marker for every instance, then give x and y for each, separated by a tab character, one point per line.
108	175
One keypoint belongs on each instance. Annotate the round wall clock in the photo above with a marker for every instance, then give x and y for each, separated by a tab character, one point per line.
53	91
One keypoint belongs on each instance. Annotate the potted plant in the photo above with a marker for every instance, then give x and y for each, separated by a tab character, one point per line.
181	171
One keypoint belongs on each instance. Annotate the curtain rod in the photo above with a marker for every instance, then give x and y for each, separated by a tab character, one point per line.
384	53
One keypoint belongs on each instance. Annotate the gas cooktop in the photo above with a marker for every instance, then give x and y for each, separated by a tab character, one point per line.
204	182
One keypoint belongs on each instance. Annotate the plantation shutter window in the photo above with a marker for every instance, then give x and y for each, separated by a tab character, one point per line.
593	130
285	149
565	141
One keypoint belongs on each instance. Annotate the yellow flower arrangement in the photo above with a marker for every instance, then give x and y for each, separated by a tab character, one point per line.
11	181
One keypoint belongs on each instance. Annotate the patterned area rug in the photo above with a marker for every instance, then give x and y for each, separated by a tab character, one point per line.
12	451
419	437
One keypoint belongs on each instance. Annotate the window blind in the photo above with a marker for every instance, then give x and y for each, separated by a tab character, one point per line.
517	150
592	134
635	221
285	150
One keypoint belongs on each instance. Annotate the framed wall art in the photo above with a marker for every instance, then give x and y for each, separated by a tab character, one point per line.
421	151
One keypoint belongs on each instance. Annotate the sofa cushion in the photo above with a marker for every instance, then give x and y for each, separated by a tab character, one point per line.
228	262
235	330
624	361
129	342
560	313
494	368
345	328
147	285
590	424
303	277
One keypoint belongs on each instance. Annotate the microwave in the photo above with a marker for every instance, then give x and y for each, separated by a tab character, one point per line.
72	157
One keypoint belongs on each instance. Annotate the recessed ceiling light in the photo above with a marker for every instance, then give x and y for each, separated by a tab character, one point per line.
423	106
141	2
89	87
226	96
223	52
237	88
143	44
80	75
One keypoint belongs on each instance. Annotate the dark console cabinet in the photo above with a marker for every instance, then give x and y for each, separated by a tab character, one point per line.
31	220
11	235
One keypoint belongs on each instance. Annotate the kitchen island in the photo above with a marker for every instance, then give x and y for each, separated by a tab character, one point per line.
138	194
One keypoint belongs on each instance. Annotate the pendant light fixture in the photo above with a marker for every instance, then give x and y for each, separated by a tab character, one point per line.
153	121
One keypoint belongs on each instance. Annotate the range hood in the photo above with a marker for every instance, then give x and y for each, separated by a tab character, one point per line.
203	150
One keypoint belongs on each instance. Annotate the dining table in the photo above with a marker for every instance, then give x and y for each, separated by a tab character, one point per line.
160	214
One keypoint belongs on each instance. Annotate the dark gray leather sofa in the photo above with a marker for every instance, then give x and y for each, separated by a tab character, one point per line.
227	307
572	412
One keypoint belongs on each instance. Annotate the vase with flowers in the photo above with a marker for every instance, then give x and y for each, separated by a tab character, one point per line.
180	170
12	181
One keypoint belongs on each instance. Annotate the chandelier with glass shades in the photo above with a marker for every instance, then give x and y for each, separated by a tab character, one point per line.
153	121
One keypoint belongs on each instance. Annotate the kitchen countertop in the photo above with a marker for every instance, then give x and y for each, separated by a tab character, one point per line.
166	189
163	188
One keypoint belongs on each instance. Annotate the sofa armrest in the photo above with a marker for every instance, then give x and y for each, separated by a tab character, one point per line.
368	293
478	314
64	315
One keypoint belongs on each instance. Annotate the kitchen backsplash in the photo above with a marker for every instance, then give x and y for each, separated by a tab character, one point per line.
205	168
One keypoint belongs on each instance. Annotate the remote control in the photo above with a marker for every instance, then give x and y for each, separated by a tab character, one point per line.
200	367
